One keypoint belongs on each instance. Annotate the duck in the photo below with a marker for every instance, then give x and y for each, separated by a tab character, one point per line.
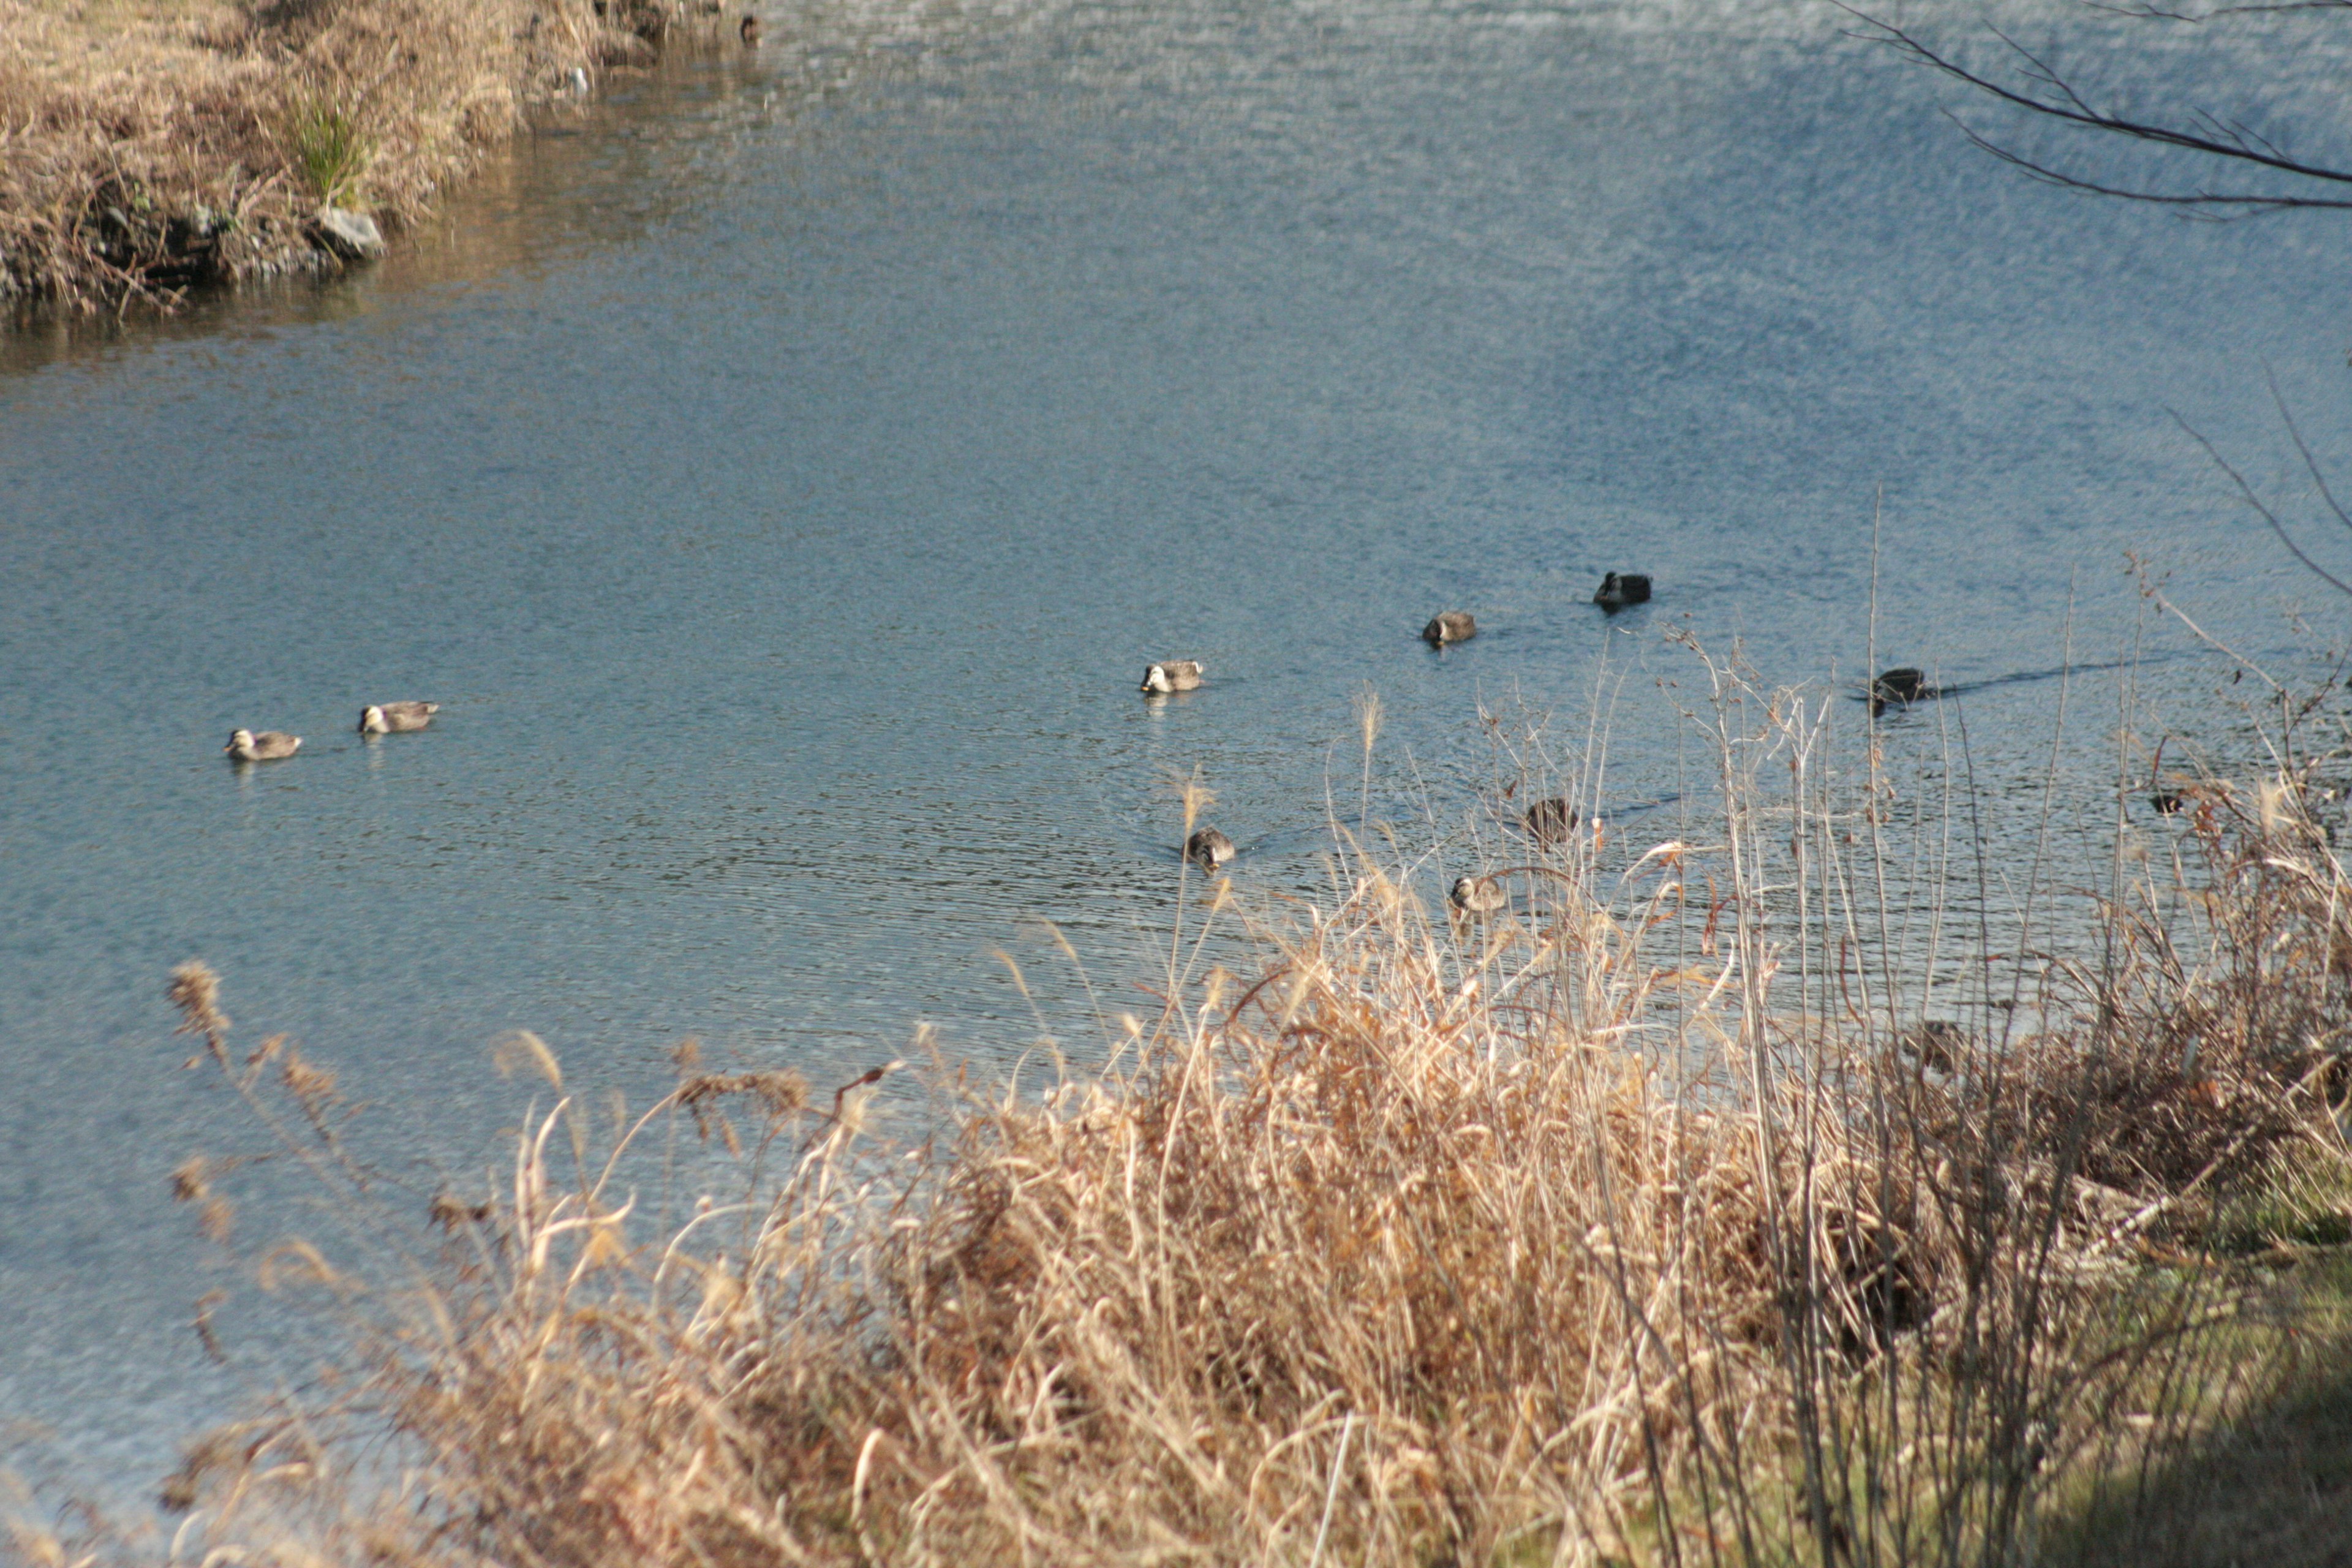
390	718
268	746
749	31
1173	675
1619	589
1902	686
2167	801
1209	848
1550	821
1938	1045
1478	895
1450	626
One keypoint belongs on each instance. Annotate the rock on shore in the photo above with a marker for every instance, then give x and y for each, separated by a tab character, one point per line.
352	236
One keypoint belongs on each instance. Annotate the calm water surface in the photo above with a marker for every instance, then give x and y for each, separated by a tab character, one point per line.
783	471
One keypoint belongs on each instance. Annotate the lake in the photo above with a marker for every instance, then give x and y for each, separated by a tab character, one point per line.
783	469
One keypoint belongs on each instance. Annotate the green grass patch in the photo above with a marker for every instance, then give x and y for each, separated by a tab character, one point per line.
2268	1477
331	153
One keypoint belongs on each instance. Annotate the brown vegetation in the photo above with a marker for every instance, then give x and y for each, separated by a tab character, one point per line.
1644	1224
150	145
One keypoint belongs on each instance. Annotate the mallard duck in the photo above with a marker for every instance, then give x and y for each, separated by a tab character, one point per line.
1550	821
1478	895
269	746
1209	848
1619	589
751	31
1452	625
1902	686
1173	675
391	718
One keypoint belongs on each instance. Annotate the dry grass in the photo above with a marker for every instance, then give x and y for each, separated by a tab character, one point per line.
147	146
1638	1224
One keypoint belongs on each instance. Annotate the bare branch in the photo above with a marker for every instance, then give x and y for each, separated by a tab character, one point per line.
2309	462
2210	640
2241	132
2151	14
2246	491
2051	95
2247	202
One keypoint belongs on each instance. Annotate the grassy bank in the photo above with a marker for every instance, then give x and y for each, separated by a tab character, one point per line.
151	146
1656	1219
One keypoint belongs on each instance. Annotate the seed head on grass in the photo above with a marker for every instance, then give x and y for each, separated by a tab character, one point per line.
523	1050
191	1183
1193	790
779	1094
313	1087
195	991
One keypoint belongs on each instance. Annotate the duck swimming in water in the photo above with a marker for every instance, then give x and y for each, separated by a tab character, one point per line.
268	746
1478	895
1550	821
2167	800
1901	686
1452	625
1209	848
1619	589
1173	675
392	718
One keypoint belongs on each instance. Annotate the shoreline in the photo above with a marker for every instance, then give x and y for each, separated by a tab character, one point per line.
151	148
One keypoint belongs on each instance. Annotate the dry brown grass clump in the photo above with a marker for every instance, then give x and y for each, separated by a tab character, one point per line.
1424	1243
150	145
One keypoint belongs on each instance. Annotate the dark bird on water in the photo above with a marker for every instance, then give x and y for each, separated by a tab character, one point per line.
2167	800
1620	589
1209	848
1900	687
1550	821
1454	625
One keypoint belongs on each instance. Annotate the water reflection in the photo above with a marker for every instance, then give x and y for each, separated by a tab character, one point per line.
646	152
